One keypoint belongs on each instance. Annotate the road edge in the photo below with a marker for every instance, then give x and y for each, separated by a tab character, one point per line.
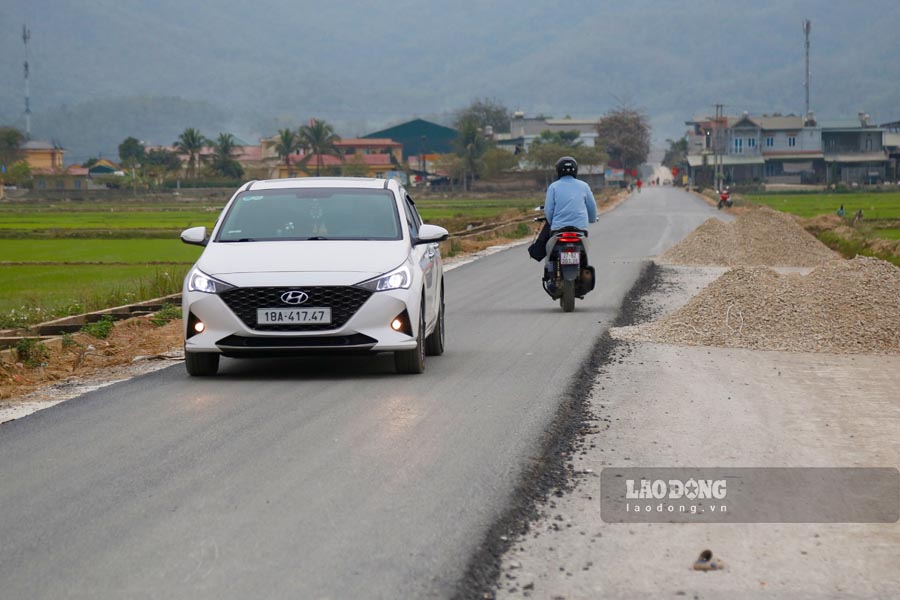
552	472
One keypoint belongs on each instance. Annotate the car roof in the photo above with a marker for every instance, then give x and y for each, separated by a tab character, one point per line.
320	182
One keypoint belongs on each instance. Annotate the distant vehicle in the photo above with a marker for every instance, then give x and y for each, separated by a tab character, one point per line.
724	199
314	265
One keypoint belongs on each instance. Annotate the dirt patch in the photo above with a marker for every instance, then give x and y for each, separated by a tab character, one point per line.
83	357
759	236
840	307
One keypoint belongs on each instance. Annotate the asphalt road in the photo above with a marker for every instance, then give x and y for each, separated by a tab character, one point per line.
313	478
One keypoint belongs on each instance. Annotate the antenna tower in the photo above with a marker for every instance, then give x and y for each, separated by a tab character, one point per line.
26	35
807	27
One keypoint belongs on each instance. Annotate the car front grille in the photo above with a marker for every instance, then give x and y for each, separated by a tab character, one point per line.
344	301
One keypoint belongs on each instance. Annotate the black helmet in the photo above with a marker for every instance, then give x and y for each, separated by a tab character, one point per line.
566	166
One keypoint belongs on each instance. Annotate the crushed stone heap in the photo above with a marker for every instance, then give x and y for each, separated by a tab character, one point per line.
760	236
842	306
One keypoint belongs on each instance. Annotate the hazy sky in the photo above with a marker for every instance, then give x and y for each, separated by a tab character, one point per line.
361	65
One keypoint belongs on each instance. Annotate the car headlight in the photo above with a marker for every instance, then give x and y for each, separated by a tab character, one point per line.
198	281
399	278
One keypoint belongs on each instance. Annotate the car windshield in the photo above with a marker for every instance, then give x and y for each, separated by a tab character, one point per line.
311	214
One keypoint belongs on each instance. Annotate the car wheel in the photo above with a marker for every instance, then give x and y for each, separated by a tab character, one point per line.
434	343
201	364
413	361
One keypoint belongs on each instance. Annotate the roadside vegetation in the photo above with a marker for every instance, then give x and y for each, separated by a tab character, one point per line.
875	233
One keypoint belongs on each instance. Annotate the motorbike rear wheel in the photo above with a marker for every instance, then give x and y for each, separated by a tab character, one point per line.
567	300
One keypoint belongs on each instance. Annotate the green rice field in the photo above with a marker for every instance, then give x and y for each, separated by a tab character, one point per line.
875	206
66	258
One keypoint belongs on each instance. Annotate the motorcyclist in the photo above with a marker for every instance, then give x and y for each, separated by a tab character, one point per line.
569	201
569	204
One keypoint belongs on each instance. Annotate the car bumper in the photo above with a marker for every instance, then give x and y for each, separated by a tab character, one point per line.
368	330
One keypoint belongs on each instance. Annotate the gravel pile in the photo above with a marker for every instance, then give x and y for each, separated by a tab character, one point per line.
842	306
760	236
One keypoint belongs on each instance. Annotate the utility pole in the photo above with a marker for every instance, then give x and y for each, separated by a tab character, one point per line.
718	158
807	27
26	35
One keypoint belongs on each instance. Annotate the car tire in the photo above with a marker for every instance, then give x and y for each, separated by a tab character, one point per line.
201	364
413	361
434	343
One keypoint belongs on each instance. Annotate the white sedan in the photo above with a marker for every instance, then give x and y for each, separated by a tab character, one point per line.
315	265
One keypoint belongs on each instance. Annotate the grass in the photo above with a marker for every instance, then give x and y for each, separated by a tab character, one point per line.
30	294
434	210
875	206
888	233
168	220
97	250
100	329
850	248
32	353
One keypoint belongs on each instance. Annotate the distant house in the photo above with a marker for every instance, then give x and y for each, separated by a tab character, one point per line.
854	151
418	137
786	149
524	130
892	147
104	167
42	155
378	156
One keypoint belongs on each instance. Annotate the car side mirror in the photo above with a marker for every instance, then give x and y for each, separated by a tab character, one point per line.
429	234
194	235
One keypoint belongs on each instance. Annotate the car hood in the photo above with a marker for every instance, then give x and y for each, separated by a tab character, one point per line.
321	256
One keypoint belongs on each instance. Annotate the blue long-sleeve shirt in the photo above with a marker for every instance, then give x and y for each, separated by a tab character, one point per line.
570	203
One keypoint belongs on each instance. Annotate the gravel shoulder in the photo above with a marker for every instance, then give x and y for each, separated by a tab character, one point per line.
660	405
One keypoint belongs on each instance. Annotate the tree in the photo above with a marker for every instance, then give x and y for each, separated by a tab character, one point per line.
90	162
676	154
10	145
496	160
624	134
222	160
191	142
159	162
19	173
319	138
567	138
131	152
485	112
546	149
470	147
287	143
452	165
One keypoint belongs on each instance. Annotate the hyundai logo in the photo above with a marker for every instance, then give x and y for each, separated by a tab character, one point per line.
294	297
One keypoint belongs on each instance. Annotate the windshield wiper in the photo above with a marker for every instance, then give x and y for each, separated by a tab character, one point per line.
315	238
240	240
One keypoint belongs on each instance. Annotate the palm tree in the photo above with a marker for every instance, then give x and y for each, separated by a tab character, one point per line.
287	143
191	142
320	139
222	160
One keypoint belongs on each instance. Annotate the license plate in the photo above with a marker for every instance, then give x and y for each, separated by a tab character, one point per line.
286	316
569	258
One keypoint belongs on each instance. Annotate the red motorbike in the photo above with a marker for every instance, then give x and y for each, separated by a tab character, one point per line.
724	199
